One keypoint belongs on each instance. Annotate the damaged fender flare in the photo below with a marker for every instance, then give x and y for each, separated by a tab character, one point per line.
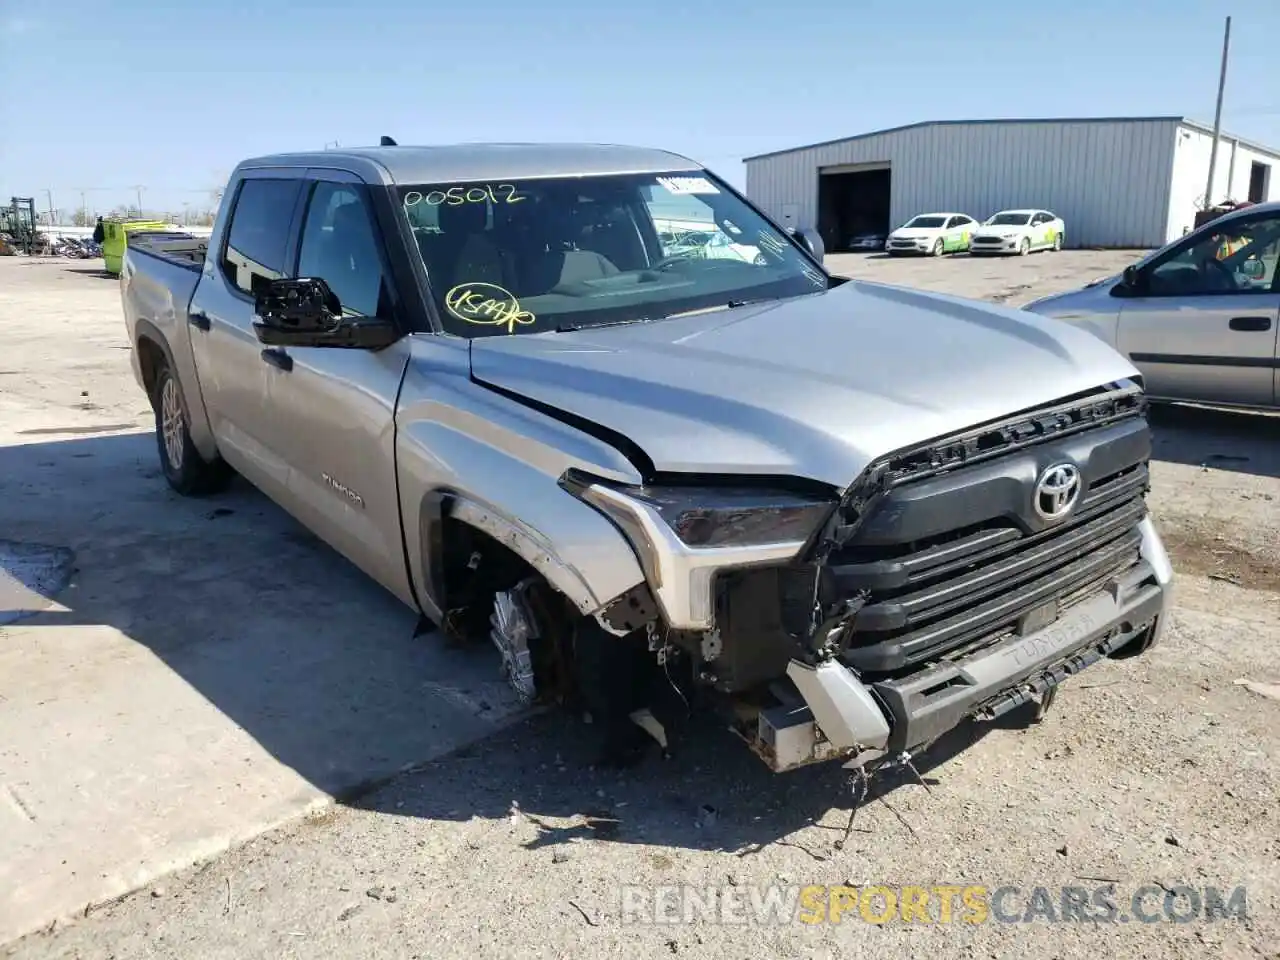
526	543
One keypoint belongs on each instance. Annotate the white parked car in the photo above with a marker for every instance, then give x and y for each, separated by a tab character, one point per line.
933	234
1018	231
720	247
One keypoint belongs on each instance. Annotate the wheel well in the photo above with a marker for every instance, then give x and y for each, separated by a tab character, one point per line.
150	359
475	567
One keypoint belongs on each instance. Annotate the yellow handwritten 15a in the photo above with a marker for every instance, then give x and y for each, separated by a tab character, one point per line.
487	304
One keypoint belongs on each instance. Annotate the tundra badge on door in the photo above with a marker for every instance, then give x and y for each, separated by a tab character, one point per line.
344	490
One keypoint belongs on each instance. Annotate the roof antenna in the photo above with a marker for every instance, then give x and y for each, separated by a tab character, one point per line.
387	142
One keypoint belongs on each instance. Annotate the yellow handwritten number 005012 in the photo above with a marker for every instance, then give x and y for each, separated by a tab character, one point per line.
487	304
456	196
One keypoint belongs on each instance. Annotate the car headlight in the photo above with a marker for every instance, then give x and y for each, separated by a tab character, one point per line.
684	535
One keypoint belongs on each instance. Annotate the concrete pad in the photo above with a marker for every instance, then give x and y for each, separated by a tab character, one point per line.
210	669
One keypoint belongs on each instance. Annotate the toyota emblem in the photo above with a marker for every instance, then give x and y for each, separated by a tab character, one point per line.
1057	491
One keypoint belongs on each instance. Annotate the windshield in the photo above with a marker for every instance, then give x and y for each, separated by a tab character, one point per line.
532	256
925	222
1009	220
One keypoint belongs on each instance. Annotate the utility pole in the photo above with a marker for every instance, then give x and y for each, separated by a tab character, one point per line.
139	188
48	193
1217	116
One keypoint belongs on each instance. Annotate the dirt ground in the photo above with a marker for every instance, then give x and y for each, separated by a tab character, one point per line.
1154	775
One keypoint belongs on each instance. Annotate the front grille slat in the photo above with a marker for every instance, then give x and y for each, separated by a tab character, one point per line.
978	547
925	599
1006	573
1002	611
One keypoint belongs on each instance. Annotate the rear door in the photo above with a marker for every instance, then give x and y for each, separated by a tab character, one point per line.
1205	325
255	246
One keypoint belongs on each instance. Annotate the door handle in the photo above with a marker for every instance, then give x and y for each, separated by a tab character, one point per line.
1250	324
278	358
199	319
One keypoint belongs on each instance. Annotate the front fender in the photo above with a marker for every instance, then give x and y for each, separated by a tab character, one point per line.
467	452
573	546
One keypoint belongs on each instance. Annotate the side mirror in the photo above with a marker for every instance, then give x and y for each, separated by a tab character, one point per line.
306	313
811	240
1132	278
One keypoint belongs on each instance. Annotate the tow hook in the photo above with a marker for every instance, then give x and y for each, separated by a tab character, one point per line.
1044	702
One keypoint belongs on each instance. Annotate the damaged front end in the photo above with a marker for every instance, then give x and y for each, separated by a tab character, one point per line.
956	579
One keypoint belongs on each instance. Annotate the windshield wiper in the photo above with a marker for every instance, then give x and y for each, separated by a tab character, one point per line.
730	305
574	327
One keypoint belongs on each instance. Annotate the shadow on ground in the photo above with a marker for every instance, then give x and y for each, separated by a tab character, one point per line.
1236	441
712	794
91	272
291	643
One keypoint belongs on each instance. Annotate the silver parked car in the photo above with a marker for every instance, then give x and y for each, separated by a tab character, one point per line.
1198	317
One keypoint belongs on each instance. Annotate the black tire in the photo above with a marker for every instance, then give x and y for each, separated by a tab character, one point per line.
187	472
937	248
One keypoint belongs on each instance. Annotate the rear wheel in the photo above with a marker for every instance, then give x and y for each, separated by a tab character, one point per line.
187	472
937	247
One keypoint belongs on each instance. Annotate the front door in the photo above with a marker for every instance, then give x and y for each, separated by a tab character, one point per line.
332	410
1205	325
232	376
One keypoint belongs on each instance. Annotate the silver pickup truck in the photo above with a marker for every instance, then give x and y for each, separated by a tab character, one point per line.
590	403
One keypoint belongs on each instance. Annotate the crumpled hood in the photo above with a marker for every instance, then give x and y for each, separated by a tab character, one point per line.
815	387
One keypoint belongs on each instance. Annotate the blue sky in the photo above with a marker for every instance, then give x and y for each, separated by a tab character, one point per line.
171	93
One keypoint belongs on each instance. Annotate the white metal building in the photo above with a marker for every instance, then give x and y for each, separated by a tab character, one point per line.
1117	182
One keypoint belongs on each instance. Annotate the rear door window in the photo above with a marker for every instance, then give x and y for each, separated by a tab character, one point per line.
258	237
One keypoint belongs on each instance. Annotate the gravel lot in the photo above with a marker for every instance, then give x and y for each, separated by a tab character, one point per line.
1156	773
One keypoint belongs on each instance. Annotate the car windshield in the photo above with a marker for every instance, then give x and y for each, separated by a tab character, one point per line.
926	222
1009	220
533	256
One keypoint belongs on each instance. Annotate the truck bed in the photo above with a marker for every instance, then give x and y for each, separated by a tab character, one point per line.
182	249
160	278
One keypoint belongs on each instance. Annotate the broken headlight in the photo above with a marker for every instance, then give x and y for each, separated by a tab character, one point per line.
684	536
714	516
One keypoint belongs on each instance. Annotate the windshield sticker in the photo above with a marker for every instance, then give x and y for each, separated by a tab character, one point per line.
689	186
774	244
814	277
487	304
456	196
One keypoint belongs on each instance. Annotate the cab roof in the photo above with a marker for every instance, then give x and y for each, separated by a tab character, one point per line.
484	161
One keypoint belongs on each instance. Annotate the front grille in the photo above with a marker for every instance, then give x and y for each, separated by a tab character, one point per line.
932	586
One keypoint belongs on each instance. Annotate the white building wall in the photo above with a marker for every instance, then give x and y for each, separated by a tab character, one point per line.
1230	176
1109	180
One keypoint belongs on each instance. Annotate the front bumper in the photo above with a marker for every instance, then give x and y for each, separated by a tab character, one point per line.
909	246
871	720
977	245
